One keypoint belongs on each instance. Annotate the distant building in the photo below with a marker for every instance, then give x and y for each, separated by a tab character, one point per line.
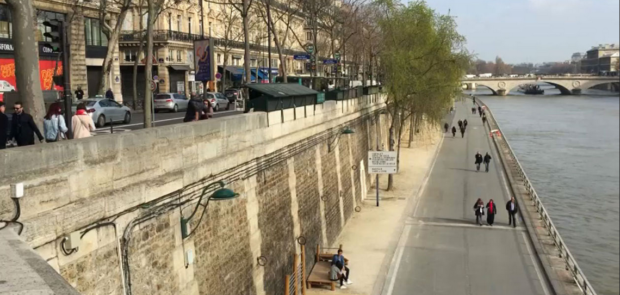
602	58
577	57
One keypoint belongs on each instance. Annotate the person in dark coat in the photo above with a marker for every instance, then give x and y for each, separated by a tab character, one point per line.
473	111
79	93
462	132
4	126
484	119
512	209
460	124
446	127
478	160
491	211
480	111
194	110
487	161
479	211
23	127
465	124
453	131
109	94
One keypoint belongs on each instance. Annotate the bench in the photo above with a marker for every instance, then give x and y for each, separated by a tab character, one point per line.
322	266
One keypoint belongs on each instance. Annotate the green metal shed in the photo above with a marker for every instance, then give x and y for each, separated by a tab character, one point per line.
272	97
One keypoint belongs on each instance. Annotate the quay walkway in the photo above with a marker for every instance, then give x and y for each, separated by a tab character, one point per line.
442	251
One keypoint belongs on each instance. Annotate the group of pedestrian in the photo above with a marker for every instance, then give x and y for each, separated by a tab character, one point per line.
22	127
339	271
491	211
479	160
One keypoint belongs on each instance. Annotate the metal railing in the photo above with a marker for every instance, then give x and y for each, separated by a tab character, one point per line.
571	263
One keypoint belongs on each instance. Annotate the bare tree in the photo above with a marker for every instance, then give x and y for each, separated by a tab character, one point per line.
140	6
154	7
27	59
244	10
229	17
112	33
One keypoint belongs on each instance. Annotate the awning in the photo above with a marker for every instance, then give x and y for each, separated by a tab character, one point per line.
180	67
261	75
236	73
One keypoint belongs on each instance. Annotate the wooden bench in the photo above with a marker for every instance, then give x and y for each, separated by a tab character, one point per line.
322	266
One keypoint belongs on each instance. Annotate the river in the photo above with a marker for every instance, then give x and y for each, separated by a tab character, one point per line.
569	147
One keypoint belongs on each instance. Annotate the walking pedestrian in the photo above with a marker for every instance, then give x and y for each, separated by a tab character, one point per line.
462	132
484	119
446	127
474	100
54	126
478	160
460	124
453	131
465	124
82	123
23	127
480	111
511	207
487	161
79	93
473	111
479	211
4	126
491	211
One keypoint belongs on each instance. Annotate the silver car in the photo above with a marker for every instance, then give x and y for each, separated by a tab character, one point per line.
218	101
171	102
104	111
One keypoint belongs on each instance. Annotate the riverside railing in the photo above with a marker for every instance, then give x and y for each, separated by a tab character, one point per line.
564	252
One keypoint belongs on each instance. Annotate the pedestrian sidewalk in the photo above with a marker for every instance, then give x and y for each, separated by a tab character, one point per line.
370	236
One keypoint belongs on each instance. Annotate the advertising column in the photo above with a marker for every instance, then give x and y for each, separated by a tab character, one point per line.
203	54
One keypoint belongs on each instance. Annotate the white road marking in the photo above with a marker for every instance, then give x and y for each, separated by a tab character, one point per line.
536	267
395	265
470	225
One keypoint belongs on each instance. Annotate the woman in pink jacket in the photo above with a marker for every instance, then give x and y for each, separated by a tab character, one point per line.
82	123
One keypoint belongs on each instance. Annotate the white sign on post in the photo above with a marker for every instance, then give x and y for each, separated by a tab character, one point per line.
382	162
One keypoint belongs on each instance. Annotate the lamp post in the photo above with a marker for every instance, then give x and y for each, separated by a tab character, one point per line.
220	194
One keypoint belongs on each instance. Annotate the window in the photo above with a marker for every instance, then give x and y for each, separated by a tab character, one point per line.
202	29
219	58
93	33
171	55
169	21
130	54
179	53
178	23
189	25
6	27
308	36
43	16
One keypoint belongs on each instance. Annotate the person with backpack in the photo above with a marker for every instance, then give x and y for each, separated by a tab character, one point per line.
82	123
54	126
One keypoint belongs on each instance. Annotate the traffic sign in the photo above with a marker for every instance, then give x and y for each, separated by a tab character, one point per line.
218	76
330	62
301	57
310	48
382	162
337	56
155	78
153	86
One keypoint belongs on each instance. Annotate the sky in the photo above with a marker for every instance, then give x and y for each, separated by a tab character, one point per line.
533	30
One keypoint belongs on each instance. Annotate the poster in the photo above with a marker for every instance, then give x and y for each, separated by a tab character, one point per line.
46	74
203	57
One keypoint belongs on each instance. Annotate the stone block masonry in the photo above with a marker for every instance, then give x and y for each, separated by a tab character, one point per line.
288	177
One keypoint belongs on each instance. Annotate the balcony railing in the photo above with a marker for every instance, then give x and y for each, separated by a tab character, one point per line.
165	35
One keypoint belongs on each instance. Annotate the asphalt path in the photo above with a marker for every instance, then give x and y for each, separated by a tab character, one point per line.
441	250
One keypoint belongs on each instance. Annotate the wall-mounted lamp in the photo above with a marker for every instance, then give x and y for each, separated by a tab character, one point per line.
345	131
219	195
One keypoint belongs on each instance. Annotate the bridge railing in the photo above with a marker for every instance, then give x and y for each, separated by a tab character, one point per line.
564	252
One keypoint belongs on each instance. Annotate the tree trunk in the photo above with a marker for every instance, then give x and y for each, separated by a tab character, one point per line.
27	60
246	37
135	70
411	131
224	66
109	56
148	71
276	38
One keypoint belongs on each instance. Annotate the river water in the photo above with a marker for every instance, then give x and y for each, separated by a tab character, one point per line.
569	147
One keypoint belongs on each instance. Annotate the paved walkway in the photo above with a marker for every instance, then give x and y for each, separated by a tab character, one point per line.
441	250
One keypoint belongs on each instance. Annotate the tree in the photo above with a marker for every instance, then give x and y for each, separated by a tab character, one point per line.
154	7
112	33
423	59
27	59
229	18
244	9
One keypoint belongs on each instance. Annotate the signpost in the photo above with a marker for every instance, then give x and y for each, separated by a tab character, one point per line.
337	56
382	163
301	57
330	62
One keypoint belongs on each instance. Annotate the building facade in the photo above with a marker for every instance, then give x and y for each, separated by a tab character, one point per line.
601	59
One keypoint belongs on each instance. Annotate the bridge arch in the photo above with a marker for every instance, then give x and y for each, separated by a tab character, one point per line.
587	84
564	87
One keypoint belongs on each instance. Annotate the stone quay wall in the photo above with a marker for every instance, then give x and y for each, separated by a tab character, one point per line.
296	174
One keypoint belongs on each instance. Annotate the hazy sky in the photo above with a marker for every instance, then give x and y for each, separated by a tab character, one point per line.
533	30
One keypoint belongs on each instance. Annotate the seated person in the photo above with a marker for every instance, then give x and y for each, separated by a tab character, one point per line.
339	262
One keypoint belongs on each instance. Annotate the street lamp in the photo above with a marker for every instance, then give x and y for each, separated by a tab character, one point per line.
345	131
221	194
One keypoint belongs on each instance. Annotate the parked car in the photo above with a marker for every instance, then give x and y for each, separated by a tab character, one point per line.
217	100
104	111
234	94
171	102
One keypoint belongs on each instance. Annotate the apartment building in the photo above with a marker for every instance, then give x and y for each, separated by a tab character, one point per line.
601	59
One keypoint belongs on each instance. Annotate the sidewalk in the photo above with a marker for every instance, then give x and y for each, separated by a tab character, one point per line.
370	236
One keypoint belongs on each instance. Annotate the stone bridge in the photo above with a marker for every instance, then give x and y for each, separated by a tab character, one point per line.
566	85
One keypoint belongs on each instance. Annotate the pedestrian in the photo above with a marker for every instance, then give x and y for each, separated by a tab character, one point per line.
473	111
462	132
491	211
460	124
478	161
453	131
446	127
340	261
54	126
82	123
479	211
23	127
207	110
109	94
4	126
487	161
474	100
512	209
465	124
484	119
194	109
480	111
79	93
